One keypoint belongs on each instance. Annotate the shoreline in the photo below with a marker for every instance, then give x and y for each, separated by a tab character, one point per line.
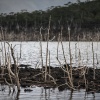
30	76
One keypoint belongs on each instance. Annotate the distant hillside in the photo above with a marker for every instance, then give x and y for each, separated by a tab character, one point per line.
82	17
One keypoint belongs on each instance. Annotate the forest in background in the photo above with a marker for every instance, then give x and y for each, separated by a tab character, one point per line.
83	18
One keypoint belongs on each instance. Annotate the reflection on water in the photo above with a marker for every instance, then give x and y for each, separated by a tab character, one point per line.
39	93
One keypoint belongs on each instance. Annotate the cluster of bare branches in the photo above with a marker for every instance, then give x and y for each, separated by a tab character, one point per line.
13	74
8	54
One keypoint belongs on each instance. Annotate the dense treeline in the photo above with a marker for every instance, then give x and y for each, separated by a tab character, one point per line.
82	17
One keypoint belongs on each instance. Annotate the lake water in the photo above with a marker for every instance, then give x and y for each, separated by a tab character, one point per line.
82	55
39	93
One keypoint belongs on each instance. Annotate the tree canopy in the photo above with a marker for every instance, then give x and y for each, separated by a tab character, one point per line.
81	15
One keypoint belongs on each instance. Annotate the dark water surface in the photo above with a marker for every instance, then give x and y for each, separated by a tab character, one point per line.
39	93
